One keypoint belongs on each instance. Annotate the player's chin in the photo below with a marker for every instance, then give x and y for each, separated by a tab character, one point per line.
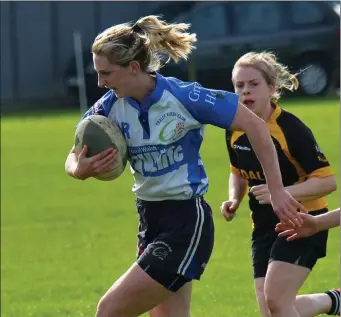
118	93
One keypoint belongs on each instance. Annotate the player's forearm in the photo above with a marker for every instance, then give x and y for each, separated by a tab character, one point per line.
260	139
71	164
328	220
313	188
237	187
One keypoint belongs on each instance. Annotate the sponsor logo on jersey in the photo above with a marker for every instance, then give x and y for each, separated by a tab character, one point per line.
242	148
256	175
154	160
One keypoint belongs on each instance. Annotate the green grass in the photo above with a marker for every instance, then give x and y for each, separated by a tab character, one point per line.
65	241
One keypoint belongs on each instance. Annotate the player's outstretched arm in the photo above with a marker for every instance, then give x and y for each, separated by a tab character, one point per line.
284	205
311	225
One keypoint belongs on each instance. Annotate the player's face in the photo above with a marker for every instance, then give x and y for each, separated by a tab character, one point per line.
113	76
254	91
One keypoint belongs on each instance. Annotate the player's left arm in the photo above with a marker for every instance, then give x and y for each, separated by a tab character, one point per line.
223	109
321	180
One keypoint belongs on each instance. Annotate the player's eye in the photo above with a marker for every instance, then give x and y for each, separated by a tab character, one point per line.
105	73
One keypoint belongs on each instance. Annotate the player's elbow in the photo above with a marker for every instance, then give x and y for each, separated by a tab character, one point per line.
327	184
70	163
331	184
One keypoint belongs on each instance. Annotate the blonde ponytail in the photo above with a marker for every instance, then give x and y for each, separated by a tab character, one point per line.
143	42
167	38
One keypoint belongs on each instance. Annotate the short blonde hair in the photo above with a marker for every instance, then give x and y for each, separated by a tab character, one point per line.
142	41
274	73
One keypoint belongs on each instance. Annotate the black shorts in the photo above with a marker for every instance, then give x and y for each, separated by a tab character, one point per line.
175	240
268	247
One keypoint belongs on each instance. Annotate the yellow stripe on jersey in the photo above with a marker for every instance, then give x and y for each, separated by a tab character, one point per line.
322	172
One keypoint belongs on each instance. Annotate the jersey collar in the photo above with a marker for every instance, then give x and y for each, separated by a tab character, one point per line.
276	112
152	98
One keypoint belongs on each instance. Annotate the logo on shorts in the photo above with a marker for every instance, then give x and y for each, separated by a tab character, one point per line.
160	253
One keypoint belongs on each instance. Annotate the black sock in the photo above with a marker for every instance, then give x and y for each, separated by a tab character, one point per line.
335	297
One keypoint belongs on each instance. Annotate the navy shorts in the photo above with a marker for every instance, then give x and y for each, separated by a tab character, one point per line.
268	247
175	240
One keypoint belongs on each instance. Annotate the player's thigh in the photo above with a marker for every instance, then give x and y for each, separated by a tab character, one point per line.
177	305
283	280
132	294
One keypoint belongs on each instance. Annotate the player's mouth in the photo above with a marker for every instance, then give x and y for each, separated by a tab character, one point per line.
248	102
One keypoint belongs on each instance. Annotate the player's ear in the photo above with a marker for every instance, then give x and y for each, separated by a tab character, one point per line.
134	67
272	90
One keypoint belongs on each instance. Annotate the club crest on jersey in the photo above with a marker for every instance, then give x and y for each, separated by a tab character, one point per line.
180	126
173	128
171	131
321	157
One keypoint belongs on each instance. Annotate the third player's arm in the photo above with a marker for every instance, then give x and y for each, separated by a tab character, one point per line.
313	188
237	187
328	220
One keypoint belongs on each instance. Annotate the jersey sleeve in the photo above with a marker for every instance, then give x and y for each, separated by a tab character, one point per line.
304	148
102	106
232	153
208	106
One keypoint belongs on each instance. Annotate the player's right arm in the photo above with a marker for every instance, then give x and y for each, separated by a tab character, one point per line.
237	184
81	167
237	190
78	165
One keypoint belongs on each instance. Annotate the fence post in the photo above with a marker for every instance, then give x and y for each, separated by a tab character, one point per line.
192	69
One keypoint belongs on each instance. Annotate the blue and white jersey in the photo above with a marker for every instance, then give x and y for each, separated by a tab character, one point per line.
164	134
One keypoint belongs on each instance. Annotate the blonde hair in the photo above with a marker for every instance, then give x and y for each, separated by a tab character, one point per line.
142	41
274	73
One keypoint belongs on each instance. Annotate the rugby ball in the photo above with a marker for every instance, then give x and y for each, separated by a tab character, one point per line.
99	133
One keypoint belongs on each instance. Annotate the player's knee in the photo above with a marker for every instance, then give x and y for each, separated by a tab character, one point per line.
275	303
106	308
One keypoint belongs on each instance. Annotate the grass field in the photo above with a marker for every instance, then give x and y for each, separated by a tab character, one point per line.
65	241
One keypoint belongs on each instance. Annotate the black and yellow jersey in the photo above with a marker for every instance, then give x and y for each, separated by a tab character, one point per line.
299	158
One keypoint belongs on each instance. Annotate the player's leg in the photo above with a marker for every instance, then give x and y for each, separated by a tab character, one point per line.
259	290
290	265
262	241
311	305
177	305
282	282
133	294
181	245
194	244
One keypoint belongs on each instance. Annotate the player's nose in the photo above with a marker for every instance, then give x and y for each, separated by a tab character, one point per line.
101	82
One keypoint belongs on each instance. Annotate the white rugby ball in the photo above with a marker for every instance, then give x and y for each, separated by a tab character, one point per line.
99	133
